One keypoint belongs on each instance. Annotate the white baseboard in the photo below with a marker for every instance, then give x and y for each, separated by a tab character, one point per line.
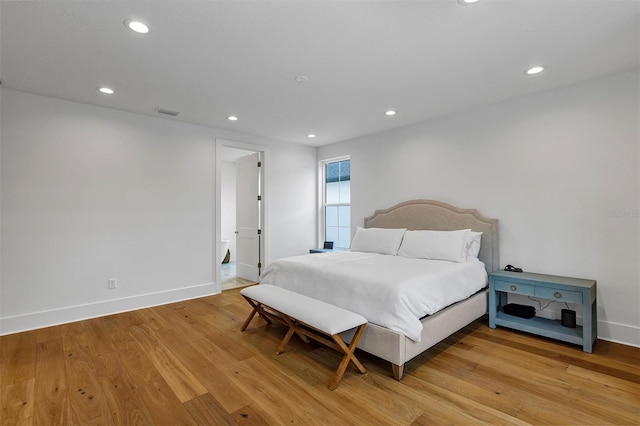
619	333
68	314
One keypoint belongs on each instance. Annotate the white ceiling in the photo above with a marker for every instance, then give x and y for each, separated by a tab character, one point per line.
212	59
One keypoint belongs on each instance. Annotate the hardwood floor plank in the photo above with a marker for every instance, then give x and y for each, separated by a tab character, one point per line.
209	327
135	364
136	361
48	333
282	398
96	336
610	385
626	355
205	411
465	404
492	393
252	415
16	402
164	406
197	307
224	389
550	373
20	366
544	390
73	336
153	318
125	405
125	319
608	395
354	393
51	390
512	380
177	375
542	411
86	403
183	325
571	354
18	355
524	394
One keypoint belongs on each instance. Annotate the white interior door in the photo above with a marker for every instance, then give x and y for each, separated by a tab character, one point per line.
248	217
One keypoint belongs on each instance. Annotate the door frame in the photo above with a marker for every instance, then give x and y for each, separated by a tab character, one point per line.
264	190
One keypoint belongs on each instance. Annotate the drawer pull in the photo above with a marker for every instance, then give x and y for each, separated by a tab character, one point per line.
513	287
557	295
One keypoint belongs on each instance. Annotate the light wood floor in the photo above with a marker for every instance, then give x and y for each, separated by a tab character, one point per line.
187	363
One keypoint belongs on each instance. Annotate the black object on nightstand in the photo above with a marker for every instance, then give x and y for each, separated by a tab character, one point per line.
568	318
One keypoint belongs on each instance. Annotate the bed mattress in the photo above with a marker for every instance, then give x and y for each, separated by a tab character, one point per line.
390	291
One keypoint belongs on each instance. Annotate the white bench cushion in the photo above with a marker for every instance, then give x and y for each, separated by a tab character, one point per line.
327	318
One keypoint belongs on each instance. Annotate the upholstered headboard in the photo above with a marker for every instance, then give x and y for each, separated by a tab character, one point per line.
439	216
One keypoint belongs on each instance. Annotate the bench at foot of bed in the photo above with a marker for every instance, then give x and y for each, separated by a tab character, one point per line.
307	317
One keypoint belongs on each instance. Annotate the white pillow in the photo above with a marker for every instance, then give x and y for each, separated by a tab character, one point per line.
377	240
437	245
472	245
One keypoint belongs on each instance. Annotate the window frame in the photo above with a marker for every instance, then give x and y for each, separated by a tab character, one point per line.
322	204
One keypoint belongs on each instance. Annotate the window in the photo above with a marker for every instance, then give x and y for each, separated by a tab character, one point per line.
337	202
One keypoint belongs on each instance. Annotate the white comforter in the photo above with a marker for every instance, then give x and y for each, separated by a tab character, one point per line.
391	291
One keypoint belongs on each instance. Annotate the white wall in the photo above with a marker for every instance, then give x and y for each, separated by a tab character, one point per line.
291	200
559	169
1	126
91	193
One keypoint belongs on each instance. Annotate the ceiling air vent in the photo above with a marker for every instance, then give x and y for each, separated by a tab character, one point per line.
167	111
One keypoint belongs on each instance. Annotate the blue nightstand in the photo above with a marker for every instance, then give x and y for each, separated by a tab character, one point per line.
563	289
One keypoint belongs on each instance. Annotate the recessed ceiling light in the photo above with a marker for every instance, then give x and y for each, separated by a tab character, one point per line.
390	112
137	26
311	135
535	70
467	2
232	118
106	90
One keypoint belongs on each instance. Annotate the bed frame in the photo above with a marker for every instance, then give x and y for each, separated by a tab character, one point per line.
394	346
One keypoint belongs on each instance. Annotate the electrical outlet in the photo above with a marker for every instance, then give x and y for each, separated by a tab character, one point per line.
111	283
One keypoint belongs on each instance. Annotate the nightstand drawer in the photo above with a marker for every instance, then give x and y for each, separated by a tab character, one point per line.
562	295
511	287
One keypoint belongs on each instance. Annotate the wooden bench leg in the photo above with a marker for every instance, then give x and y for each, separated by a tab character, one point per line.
348	356
293	327
248	320
257	309
285	340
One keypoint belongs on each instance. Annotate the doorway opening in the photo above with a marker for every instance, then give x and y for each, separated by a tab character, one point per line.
240	216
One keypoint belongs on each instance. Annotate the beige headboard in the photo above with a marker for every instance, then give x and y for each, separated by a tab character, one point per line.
439	216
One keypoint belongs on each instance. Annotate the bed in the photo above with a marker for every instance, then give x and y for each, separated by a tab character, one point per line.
399	340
